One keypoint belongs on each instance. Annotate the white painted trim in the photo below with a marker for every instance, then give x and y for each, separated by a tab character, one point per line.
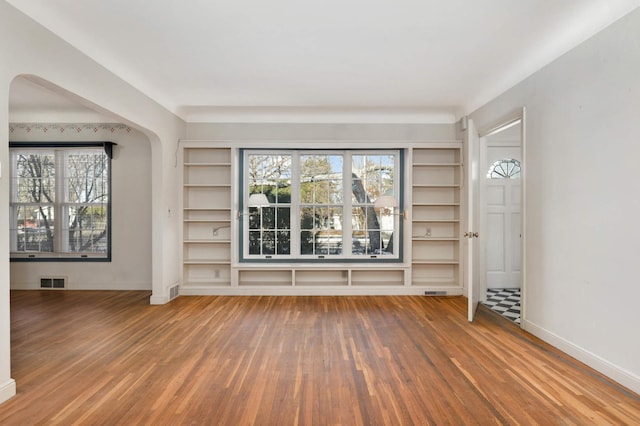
158	300
318	266
614	372
315	291
524	295
28	285
327	144
482	222
217	114
503	122
7	390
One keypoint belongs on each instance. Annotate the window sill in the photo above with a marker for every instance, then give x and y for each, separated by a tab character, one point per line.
59	257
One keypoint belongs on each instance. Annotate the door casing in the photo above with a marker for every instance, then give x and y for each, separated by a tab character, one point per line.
473	254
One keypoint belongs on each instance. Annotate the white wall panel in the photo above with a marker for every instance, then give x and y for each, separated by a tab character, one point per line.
495	243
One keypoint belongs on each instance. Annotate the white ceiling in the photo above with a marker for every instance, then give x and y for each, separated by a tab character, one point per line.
402	60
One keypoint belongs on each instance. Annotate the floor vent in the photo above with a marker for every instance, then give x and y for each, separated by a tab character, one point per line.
53	282
173	292
435	293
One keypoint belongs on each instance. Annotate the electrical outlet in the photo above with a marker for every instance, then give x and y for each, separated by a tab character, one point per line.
217	273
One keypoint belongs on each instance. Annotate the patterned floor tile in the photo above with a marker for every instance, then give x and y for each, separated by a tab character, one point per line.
505	301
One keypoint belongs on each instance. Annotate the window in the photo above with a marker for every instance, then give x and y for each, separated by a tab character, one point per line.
270	227
504	169
60	201
320	205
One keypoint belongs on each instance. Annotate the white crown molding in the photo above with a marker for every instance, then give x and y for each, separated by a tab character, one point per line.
390	115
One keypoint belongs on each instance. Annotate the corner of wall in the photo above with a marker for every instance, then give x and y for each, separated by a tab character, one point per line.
158	300
7	390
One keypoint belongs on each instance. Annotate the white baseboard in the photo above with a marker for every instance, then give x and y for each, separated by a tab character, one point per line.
314	291
158	300
7	390
123	286
614	372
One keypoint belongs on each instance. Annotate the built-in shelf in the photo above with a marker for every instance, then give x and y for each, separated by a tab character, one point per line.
436	164
207	164
435	239
321	277
207	261
203	209
441	185
207	220
206	185
432	245
435	262
207	241
435	202
206	217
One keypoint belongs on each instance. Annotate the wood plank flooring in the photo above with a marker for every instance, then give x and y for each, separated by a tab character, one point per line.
110	358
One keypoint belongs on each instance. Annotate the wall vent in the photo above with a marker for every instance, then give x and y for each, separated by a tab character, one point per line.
435	293
173	292
53	282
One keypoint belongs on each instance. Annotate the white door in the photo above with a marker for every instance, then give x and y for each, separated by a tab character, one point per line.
501	251
502	207
470	261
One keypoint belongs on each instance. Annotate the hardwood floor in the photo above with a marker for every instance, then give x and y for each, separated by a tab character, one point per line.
111	358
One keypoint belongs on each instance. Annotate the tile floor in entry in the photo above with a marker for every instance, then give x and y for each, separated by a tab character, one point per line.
505	301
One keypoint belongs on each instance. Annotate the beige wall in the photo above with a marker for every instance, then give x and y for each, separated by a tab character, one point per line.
130	268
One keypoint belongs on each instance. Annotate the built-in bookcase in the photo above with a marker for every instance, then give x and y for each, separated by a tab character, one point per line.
206	217
435	218
432	232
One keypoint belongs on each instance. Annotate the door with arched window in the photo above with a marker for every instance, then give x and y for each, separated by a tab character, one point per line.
503	217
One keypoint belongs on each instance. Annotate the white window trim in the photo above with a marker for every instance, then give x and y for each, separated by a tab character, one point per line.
347	255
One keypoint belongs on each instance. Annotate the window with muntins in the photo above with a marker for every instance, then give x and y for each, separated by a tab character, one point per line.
507	168
320	205
60	201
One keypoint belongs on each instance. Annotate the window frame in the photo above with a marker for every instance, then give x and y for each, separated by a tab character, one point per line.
295	255
60	205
